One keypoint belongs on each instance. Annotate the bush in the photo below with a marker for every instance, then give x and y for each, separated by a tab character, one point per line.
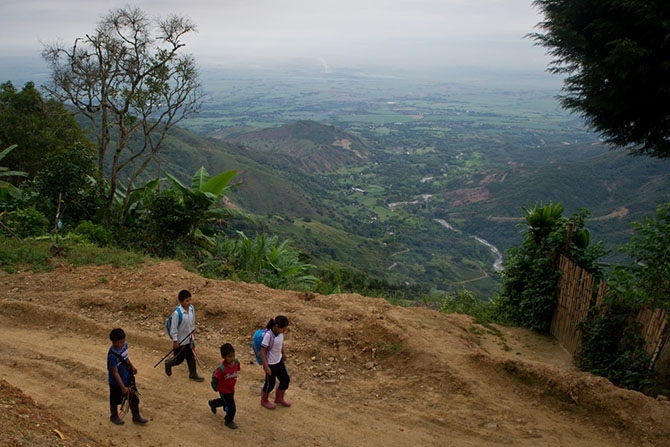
613	347
94	234
465	302
23	223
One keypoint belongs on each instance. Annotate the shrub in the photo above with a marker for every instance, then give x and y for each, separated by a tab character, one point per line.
95	234
613	347
23	223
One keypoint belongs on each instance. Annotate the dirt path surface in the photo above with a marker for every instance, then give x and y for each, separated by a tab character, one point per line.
363	372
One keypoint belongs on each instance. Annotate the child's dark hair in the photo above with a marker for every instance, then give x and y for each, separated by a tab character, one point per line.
226	349
279	320
117	334
183	295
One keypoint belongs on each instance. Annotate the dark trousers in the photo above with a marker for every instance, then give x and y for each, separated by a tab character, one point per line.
182	353
115	399
278	372
227	401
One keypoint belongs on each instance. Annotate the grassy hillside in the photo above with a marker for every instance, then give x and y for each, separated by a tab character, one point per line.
361	168
380	213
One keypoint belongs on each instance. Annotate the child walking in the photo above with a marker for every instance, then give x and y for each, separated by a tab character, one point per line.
272	356
182	333
121	378
224	378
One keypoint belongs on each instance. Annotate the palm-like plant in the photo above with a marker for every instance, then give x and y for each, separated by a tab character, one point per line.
262	259
7	188
203	201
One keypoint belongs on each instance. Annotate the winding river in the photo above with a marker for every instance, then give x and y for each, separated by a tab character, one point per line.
498	264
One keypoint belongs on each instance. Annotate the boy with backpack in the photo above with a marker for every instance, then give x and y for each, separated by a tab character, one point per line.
224	378
181	328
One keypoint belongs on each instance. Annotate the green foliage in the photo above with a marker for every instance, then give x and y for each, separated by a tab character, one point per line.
615	55
78	254
67	183
337	278
96	234
612	342
613	347
202	200
262	259
6	188
15	254
465	302
649	249
132	83
530	277
164	224
23	222
38	127
36	253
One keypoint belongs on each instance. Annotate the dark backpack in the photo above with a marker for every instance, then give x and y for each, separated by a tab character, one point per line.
256	343
214	383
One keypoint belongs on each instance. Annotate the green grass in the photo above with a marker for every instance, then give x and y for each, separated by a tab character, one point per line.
41	254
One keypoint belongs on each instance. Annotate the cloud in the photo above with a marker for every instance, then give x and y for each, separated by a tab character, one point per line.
346	31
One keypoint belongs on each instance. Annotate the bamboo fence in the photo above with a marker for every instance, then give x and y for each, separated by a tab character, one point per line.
576	295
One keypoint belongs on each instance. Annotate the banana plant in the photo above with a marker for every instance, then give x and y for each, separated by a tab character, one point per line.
203	201
542	220
7	188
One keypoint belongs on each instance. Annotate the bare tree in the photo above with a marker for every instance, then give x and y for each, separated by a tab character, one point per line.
132	82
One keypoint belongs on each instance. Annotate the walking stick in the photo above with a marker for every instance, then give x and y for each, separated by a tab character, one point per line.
172	350
197	357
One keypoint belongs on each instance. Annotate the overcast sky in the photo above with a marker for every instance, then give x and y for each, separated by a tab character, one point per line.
333	33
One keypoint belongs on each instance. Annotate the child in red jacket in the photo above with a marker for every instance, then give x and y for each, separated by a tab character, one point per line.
224	378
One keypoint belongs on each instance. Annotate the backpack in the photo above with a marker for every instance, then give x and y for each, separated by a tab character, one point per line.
214	383
256	342
168	322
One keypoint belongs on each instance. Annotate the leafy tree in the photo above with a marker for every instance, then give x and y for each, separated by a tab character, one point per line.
130	80
530	276
67	184
649	249
38	127
612	342
615	55
161	222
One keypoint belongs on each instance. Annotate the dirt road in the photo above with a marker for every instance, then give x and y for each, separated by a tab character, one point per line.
363	372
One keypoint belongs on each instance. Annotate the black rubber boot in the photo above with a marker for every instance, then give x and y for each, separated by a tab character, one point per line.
135	410
169	363
192	373
115	415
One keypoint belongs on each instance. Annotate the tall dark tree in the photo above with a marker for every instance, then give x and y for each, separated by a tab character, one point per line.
616	58
130	79
67	186
38	127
